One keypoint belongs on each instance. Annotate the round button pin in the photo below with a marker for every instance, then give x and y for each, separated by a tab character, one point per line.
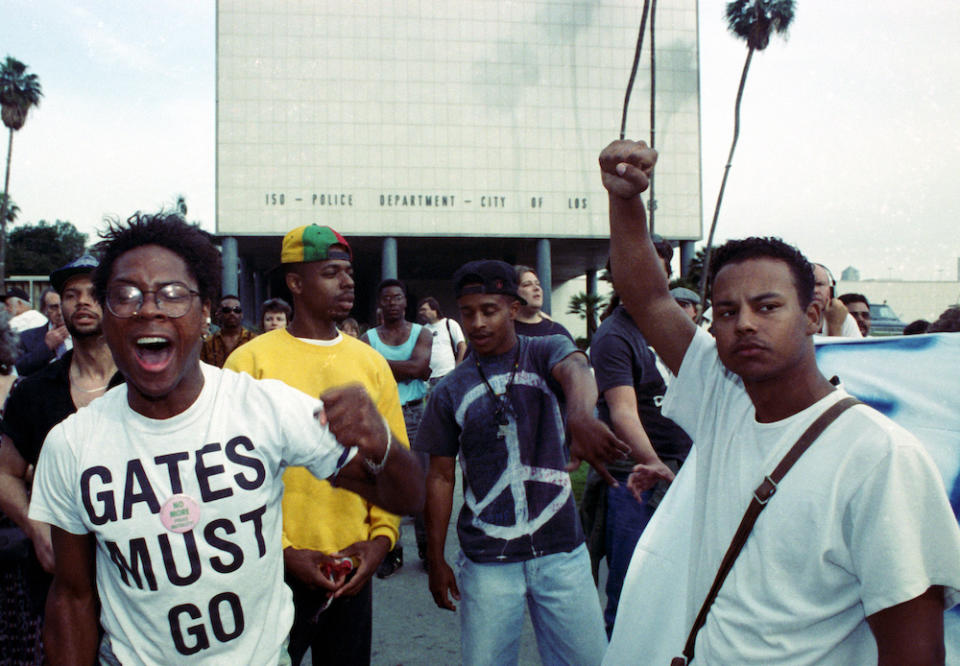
180	513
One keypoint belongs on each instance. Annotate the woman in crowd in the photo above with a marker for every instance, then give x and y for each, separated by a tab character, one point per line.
276	313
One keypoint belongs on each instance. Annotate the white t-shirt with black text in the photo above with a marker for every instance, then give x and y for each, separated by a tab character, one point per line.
186	515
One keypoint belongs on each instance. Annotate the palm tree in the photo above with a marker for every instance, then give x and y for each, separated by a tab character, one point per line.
692	278
752	21
19	92
180	206
586	306
12	211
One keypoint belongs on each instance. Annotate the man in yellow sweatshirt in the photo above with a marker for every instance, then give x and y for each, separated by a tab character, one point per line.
321	523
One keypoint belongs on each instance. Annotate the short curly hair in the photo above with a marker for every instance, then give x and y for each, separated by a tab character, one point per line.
766	247
169	231
274	305
432	303
853	297
947	322
391	282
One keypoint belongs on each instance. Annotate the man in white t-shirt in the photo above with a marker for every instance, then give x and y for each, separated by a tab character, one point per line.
164	495
22	314
449	345
858	553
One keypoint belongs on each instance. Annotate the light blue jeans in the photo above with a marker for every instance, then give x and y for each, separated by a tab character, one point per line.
558	590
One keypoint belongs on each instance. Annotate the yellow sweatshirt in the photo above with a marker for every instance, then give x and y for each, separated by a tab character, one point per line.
315	514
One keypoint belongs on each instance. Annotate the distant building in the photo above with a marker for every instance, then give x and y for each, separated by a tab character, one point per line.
913	299
850	274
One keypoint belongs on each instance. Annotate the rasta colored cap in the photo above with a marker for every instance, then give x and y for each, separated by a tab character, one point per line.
313	243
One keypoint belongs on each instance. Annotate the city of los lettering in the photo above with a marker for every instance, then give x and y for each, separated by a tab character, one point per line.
217	472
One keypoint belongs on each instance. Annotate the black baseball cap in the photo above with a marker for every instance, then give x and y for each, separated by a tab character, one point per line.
486	276
16	292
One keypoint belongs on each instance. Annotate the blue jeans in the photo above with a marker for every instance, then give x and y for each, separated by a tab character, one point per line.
558	590
412	415
626	520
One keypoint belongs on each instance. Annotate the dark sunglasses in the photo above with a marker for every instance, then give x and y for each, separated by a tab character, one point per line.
226	309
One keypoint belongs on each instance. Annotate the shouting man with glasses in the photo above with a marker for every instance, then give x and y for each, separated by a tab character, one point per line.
164	496
231	335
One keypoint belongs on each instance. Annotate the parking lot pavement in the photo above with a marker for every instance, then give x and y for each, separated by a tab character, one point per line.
408	628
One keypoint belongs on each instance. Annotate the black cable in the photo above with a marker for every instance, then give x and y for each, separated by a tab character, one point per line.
633	72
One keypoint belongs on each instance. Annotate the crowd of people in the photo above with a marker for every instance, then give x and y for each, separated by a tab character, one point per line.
176	487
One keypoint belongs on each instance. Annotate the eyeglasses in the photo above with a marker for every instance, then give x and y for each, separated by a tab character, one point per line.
173	300
226	309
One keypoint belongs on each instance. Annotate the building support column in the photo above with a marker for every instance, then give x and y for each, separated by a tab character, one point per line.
687	253
245	292
259	295
388	259
591	282
545	272
231	266
593	316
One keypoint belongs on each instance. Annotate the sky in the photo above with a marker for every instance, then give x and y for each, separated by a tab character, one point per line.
849	144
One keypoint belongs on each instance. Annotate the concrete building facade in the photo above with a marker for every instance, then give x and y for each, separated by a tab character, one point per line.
430	134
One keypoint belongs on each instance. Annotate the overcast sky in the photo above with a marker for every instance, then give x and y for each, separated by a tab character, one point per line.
849	145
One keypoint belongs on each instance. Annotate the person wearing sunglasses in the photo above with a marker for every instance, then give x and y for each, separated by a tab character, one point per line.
231	335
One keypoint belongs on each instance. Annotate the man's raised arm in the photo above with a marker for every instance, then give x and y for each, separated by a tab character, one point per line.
637	272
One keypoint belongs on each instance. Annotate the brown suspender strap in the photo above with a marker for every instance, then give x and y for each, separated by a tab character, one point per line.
761	496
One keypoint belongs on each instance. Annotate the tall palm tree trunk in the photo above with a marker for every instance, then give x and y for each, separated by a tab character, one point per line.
704	276
3	217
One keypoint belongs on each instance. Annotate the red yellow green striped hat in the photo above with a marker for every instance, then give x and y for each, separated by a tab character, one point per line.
313	243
